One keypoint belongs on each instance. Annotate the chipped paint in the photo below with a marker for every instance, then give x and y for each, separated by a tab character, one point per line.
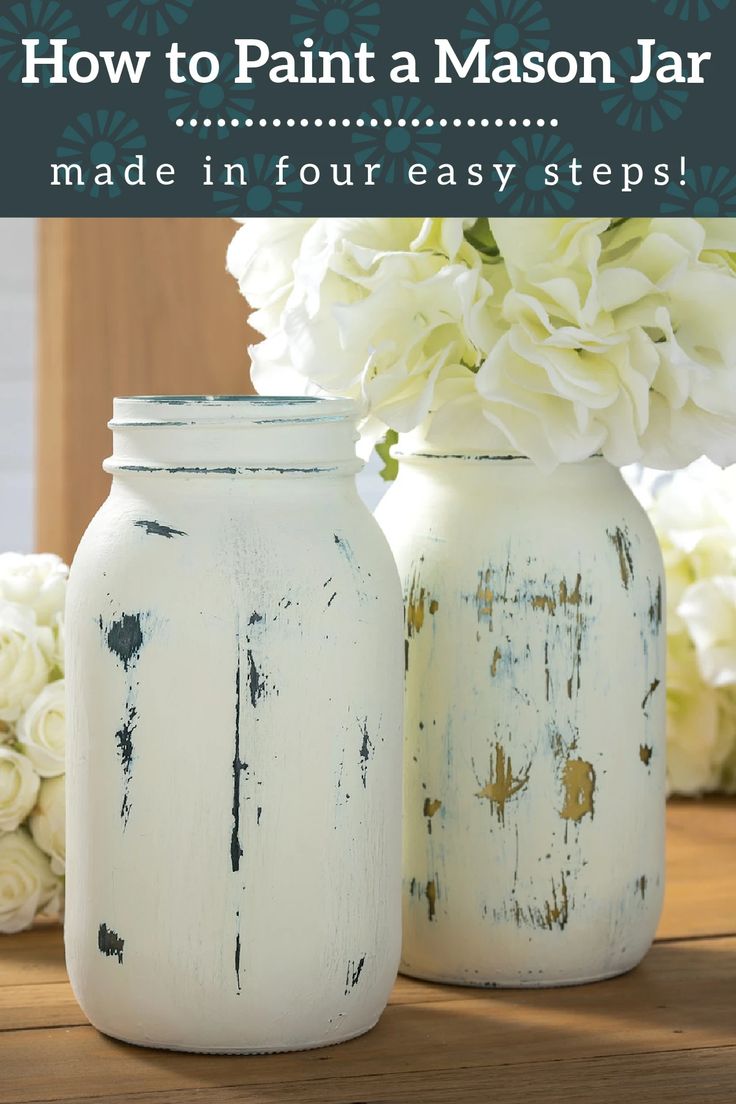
352	977
124	638
124	741
237	952
655	683
619	538
645	754
431	895
497	656
366	749
239	768
109	943
578	778
641	886
503	784
155	529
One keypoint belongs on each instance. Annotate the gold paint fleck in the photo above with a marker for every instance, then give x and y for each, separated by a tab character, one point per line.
496	660
430	808
505	785
645	754
578	778
620	541
484	596
557	911
415	607
431	892
574	598
544	602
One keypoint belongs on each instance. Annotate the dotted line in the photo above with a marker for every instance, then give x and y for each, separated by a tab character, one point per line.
369	123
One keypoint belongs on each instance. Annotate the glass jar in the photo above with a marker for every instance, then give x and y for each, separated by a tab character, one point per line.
235	696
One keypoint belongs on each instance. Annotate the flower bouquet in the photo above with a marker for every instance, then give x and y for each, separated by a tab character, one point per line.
32	591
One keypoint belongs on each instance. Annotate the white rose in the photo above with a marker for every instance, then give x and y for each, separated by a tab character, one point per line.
27	884
41	730
37	581
24	665
47	822
18	788
708	608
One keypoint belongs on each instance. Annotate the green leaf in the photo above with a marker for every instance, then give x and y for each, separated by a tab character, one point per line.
390	466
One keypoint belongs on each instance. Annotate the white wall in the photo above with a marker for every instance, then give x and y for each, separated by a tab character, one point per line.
17	358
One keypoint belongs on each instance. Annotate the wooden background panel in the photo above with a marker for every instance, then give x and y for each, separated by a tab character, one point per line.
126	306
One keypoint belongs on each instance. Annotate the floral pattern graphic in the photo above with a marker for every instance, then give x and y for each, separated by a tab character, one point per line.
262	194
646	107
149	17
398	146
708	192
694	10
40	19
516	25
527	193
222	99
335	24
101	137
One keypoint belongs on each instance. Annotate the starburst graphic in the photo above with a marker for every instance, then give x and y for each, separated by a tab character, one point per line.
708	192
401	144
150	17
527	192
646	107
517	25
260	193
335	24
39	19
221	98
101	138
695	11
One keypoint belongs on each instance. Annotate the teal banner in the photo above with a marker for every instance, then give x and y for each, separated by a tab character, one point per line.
385	107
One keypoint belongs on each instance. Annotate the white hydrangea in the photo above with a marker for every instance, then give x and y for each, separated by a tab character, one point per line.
694	513
557	338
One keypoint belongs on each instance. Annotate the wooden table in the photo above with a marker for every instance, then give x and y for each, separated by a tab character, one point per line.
665	1033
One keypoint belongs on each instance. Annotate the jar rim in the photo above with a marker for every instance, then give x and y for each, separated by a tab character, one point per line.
135	411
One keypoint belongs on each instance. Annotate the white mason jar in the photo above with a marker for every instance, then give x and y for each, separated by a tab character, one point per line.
534	730
234	753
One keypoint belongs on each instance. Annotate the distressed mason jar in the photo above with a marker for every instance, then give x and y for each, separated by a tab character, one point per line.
534	730
234	752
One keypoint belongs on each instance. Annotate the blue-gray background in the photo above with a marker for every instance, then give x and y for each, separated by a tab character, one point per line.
102	122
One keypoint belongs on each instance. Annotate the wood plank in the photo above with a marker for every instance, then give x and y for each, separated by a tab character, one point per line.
649	1011
700	898
126	306
703	1076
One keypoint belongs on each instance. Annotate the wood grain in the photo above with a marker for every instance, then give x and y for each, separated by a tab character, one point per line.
126	306
663	1032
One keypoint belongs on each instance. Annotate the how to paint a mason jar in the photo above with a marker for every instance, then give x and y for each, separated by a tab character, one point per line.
234	636
534	782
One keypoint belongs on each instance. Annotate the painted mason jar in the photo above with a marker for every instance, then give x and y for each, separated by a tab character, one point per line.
234	752
534	731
